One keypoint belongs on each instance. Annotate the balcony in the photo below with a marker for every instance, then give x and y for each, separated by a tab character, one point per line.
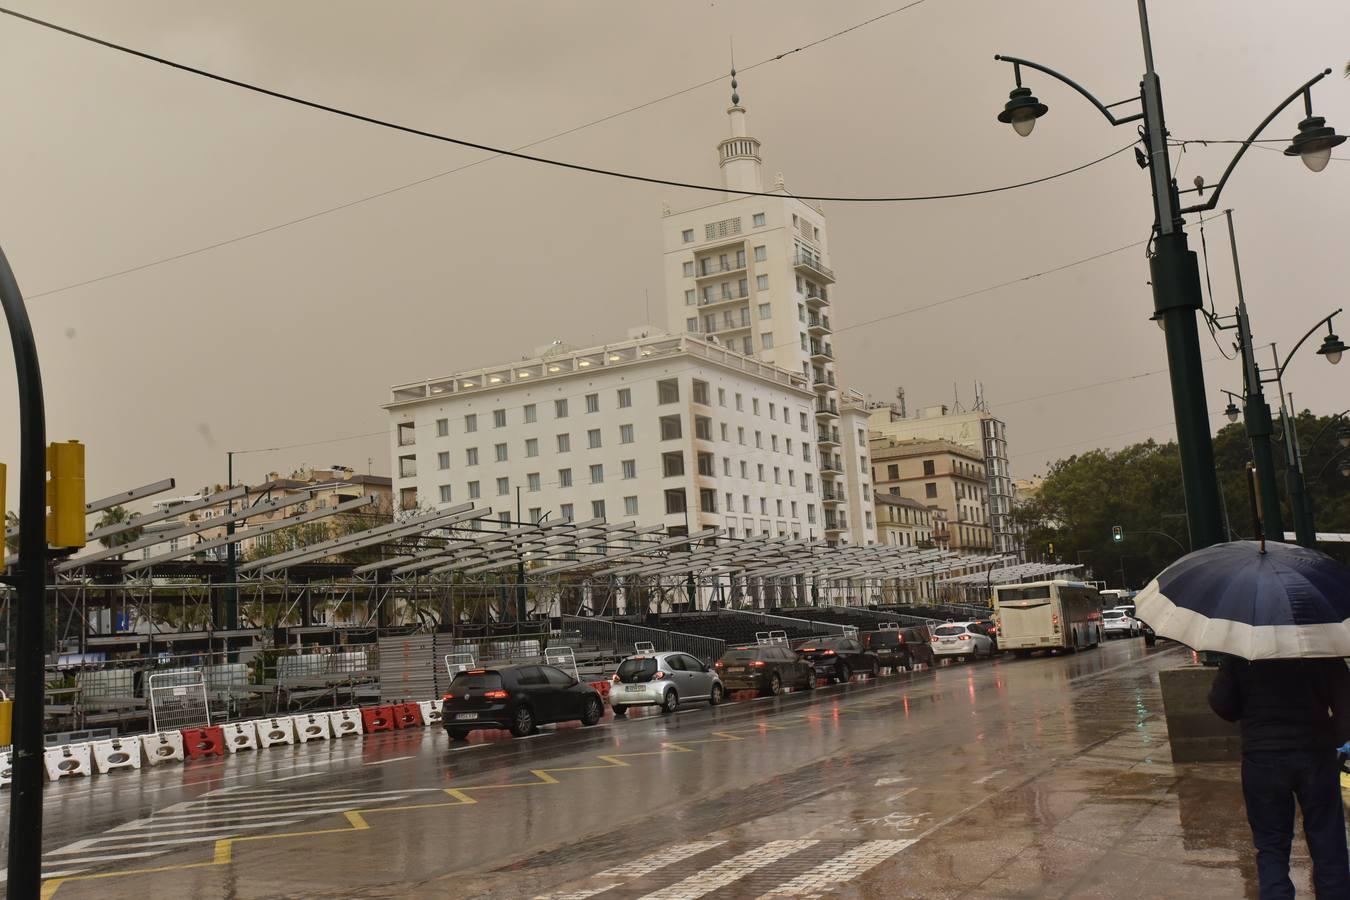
832	497
711	268
829	466
816	299
818	326
724	328
821	353
716	298
827	439
823	382
834	525
826	410
812	266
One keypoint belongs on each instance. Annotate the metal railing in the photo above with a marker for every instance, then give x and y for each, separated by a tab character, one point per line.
708	267
815	265
622	637
789	622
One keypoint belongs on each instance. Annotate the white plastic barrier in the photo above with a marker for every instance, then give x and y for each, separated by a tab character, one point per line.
118	753
345	722
240	736
72	759
6	768
162	747
311	727
275	731
431	712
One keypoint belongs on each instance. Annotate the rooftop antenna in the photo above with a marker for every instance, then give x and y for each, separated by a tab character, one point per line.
647	305
900	398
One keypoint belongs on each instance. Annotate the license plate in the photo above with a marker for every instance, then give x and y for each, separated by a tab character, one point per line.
735	668
634	689
465	717
949	640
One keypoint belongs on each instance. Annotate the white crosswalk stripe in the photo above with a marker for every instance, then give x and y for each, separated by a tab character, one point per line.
638	868
830	874
728	871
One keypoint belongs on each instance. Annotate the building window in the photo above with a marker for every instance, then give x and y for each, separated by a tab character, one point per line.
722	428
630	506
703	428
625	434
592	403
445	493
700	390
499	418
740	405
763	506
675	501
688	268
930	490
778	504
532	482
672	464
754	405
731	506
867	517
471	456
893	472
442	428
471	422
759	469
473	490
598	509
726	467
762	282
532	447
740	435
566	512
597	473
536	514
565	478
503	486
761	253
690	298
721	396
758	220
629	469
668	391
626	396
759	440
501	452
560	409
794	509
687	235
564	443
766	340
745	504
593	438
929	467
777	475
670	428
691	324
707	500
766	310
443	459
706	464
531	413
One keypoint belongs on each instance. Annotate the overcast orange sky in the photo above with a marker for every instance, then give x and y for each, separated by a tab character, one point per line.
294	336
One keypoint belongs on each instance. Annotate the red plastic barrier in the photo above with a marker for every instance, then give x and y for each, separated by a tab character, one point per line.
199	742
602	687
378	718
408	715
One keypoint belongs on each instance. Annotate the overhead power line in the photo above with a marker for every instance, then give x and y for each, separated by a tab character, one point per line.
527	157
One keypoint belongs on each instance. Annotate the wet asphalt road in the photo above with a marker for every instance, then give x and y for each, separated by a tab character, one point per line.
1041	777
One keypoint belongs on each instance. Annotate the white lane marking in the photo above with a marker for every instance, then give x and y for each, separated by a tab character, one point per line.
986	779
832	873
151	837
902	795
146	825
899	779
648	864
274	810
380	762
294	777
89	844
264	803
728	871
62	873
578	895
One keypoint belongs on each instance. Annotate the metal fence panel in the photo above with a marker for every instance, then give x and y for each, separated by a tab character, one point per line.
458	662
787	622
563	658
620	634
178	700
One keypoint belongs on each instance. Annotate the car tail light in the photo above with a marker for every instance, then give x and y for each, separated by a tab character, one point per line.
899	638
659	675
758	664
448	697
614	678
933	638
829	653
1054	619
496	695
965	637
719	665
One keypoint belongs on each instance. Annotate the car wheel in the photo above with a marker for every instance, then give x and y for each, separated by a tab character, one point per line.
523	722
811	682
775	684
1150	640
716	696
457	734
592	711
670	702
619	711
844	674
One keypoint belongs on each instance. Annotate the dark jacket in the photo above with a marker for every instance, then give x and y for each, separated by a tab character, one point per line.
1285	704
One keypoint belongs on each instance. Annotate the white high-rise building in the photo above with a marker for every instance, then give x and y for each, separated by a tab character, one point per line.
660	429
753	273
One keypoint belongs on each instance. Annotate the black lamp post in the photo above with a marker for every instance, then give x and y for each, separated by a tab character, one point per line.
1175	274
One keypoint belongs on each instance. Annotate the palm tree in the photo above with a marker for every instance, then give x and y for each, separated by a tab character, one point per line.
118	515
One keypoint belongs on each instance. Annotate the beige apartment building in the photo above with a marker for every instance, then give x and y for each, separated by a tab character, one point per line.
950	479
902	522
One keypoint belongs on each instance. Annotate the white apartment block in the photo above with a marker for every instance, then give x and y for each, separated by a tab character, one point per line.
753	274
659	429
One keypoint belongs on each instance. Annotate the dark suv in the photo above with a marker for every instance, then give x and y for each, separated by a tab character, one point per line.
766	668
518	698
896	647
839	658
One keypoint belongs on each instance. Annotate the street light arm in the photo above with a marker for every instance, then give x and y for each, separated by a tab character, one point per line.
1334	419
1279	373
1327	465
1218	188
1103	108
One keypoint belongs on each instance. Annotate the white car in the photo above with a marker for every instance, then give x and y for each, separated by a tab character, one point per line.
961	639
1118	623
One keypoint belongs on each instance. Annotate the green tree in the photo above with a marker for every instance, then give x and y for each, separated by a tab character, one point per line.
118	515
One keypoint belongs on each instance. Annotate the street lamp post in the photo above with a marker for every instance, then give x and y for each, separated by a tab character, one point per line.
24	875
1174	270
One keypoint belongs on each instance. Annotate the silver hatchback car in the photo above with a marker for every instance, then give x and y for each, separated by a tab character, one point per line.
665	680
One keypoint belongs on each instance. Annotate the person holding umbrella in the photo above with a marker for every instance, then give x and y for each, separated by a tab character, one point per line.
1280	614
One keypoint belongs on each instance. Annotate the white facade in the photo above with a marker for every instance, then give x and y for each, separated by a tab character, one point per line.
641	430
753	273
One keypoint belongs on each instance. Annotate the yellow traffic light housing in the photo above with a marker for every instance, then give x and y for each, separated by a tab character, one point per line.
65	494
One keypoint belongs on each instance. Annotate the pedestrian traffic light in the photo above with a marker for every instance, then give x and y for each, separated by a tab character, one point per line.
1051	548
1117	533
65	494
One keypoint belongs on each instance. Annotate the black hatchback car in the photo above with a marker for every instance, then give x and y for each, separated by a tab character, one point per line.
839	658
766	668
896	647
517	698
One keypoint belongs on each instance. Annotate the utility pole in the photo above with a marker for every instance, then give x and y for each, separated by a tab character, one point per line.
230	617
520	573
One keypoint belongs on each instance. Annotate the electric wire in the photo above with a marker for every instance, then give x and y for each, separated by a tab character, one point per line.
542	160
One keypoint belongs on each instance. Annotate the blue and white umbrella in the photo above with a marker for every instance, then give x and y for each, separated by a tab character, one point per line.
1277	601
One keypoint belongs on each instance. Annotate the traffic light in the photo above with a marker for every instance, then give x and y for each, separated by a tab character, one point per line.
1117	533
65	494
1051	548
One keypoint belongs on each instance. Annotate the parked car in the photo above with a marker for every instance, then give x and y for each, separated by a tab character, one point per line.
665	680
517	698
1150	637
1117	623
961	639
839	658
919	644
988	628
767	668
889	646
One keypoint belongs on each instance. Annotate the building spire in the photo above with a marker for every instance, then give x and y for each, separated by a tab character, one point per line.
738	155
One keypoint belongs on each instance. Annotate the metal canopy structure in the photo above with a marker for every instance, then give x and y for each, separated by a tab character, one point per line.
1013	574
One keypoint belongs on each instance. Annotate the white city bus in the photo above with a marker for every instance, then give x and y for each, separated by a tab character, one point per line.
1048	615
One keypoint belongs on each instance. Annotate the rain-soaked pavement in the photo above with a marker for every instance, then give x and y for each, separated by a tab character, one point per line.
1017	778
